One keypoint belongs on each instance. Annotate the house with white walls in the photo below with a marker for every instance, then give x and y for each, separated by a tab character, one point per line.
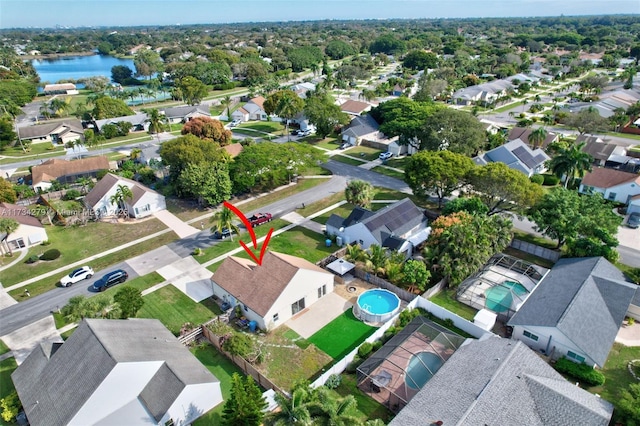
144	202
614	185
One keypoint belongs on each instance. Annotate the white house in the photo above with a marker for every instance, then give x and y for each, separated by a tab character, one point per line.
614	185
575	311
400	226
55	132
115	372
145	201
182	114
518	156
255	108
274	292
139	122
30	231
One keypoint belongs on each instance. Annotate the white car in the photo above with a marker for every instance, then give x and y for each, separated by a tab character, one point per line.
235	123
385	155
76	275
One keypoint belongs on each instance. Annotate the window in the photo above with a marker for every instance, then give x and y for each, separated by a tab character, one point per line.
297	306
575	356
322	291
245	308
361	242
530	335
612	196
275	317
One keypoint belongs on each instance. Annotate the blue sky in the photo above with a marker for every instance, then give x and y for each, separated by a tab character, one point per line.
38	13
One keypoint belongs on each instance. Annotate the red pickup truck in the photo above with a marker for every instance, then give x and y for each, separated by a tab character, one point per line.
259	219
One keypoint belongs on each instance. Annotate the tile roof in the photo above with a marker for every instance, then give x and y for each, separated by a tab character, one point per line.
584	298
44	130
55	168
20	214
258	287
54	388
601	177
499	381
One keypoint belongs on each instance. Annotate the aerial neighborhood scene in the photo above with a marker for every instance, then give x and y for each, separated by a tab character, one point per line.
355	213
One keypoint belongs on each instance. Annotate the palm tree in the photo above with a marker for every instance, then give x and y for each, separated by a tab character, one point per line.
135	154
376	258
569	160
156	121
293	411
355	253
224	219
123	193
537	137
226	102
84	183
359	193
7	227
332	411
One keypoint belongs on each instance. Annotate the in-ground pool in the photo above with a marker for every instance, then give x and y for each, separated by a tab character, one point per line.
376	305
422	366
500	298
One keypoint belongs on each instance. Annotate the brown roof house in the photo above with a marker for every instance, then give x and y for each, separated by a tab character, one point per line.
614	185
30	231
65	171
273	292
59	132
145	201
523	134
233	149
253	110
352	107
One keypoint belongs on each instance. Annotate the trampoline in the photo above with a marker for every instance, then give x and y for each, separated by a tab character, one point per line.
500	298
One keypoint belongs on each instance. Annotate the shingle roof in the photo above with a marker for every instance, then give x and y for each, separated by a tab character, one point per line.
395	219
598	150
601	177
258	287
517	155
362	125
258	100
43	130
54	389
20	214
183	111
108	181
354	107
56	168
523	134
233	149
584	298
498	381
137	120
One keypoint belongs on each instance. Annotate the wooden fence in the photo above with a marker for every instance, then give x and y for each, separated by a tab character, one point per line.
382	283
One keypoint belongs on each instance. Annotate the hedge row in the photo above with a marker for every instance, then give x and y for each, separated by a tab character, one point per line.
582	372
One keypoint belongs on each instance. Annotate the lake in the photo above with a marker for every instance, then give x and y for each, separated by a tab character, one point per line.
76	67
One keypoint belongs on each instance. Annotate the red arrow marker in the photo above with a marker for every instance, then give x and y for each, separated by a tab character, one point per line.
247	225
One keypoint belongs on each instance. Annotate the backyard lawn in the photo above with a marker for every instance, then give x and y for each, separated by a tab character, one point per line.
447	299
348	160
368	408
6	384
221	367
341	335
173	308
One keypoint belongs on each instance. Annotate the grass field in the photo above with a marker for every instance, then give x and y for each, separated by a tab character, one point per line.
368	408
364	152
341	335
388	172
221	367
3	348
348	160
173	308
447	299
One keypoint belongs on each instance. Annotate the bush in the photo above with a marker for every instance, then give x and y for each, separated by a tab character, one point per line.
365	350
333	381
33	259
71	194
45	243
11	406
539	179
550	180
52	254
353	365
377	345
582	372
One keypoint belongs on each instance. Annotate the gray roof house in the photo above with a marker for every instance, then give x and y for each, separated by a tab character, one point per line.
400	226
517	155
576	310
497	381
182	114
138	121
115	372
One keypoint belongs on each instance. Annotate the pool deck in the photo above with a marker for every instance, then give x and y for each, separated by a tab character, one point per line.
316	316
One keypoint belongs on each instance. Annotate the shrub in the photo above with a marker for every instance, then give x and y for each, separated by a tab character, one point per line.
377	345
239	344
45	243
33	259
550	180
449	323
365	350
333	381
52	254
11	406
71	194
582	372
197	251
539	179
353	365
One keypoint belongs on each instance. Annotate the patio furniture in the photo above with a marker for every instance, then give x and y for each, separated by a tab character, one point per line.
242	323
381	379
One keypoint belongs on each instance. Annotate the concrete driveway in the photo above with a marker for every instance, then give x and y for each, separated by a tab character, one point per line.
25	339
629	237
189	277
316	316
153	260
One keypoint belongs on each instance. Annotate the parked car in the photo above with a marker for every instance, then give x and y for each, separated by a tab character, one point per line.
385	155
634	220
345	145
110	279
307	132
76	275
222	235
235	123
259	219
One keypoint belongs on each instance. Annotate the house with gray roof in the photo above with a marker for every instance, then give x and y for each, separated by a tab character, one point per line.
57	132
518	156
496	381
144	202
115	372
139	122
484	92
401	226
182	114
575	311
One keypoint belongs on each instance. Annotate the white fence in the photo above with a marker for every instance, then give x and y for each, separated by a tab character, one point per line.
442	313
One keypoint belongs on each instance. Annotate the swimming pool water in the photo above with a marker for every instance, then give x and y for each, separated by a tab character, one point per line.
422	366
500	298
378	301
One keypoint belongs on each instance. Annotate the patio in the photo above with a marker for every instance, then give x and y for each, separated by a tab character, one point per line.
316	316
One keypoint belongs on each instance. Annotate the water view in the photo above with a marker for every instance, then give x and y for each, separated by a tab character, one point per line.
76	67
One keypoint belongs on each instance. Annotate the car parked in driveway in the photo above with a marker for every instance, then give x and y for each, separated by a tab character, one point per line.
221	235
76	275
634	220
110	279
384	156
235	123
259	219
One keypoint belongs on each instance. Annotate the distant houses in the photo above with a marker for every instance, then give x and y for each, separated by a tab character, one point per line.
66	171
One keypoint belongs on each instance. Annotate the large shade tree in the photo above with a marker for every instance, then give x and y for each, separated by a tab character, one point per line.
453	130
569	160
324	114
286	104
178	153
208	129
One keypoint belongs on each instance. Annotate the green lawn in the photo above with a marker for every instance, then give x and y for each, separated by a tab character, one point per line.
364	152
262	126
348	160
447	299
3	348
221	367
388	172
341	335
344	211
329	143
173	308
6	384
368	408
534	239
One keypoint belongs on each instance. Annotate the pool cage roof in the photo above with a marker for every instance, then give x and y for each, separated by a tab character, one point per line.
501	286
393	374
